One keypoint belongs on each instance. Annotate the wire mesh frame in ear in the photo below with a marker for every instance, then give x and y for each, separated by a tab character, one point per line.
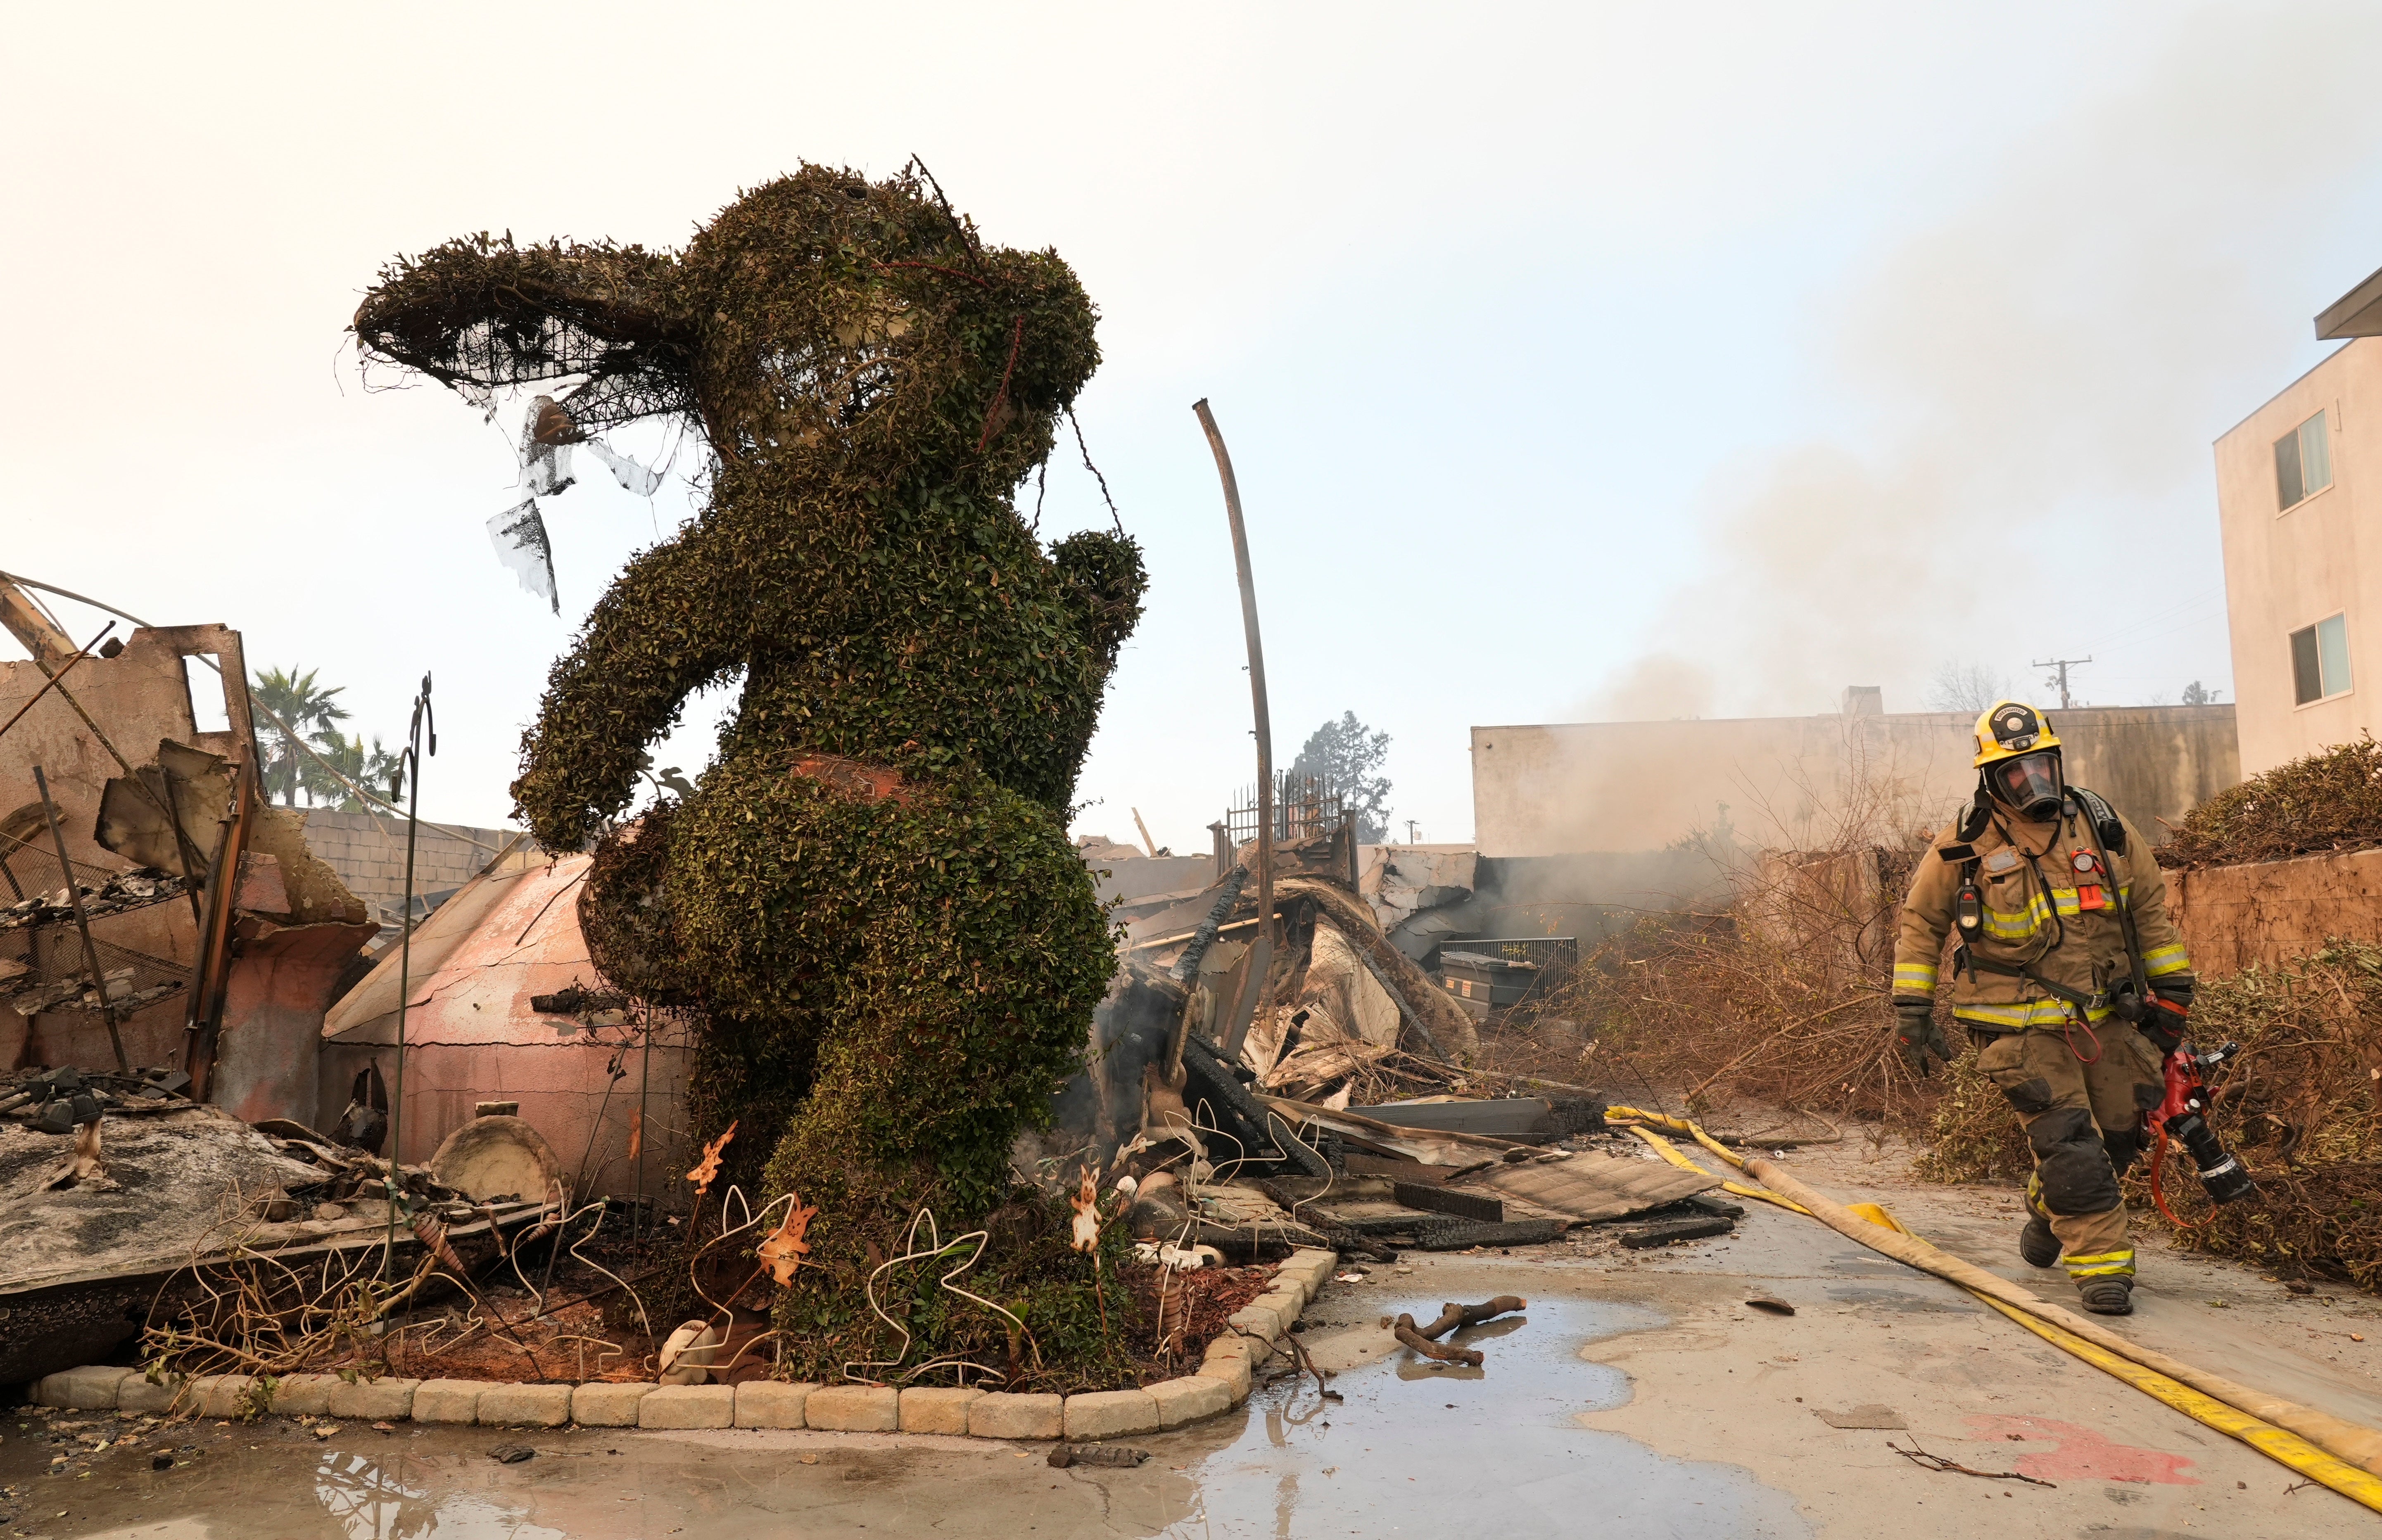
623	386
482	315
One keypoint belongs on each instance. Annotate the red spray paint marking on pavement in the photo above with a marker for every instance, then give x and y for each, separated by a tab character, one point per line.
2083	1454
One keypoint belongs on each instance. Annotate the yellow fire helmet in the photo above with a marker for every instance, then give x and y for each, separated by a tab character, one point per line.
2008	728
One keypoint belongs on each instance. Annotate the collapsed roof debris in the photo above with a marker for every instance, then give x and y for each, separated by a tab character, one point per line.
114	893
1314	1134
225	981
148	891
169	1201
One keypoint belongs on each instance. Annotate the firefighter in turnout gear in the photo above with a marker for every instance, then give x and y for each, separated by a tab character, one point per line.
2069	976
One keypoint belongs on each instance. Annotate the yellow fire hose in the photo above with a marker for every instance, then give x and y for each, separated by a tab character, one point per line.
2326	1448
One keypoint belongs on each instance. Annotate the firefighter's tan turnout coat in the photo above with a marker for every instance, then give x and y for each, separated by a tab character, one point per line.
2047	907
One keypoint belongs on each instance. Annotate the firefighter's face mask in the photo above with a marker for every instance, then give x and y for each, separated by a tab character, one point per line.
2028	785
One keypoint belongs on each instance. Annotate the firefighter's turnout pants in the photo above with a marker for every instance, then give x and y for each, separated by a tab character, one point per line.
2083	1121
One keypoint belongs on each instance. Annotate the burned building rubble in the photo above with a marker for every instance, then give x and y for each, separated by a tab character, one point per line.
1238	1106
117	947
203	1053
169	945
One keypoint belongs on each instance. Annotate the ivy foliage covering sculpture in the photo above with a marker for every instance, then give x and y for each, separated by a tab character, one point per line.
870	898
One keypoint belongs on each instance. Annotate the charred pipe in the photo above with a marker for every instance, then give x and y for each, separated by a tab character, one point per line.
1407	1334
1451	1316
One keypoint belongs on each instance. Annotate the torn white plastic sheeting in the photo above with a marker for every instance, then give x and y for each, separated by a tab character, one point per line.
519	534
631	476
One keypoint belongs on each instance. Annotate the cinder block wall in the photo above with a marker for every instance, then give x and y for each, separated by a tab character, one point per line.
368	852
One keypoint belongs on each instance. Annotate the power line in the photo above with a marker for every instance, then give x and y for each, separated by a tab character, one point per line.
2192	611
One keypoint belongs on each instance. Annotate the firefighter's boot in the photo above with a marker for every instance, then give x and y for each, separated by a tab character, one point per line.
2110	1295
2037	1247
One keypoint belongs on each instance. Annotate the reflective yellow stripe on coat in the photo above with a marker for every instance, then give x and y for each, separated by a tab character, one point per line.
2017	924
1914	978
2026	1013
2161	960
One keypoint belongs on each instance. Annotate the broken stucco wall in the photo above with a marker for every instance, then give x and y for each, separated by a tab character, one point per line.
293	939
282	971
1131	877
138	697
1401	881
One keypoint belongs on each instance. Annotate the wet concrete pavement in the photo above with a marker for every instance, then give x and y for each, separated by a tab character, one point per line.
1638	1392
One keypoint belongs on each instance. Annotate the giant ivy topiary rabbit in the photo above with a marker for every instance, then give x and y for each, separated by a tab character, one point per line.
870	896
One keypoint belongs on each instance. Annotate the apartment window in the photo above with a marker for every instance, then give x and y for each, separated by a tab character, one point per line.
2320	660
2302	462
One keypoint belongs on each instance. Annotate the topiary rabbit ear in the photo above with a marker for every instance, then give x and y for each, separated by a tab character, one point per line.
480	313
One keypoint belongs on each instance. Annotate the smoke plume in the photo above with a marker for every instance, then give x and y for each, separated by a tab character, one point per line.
2030	387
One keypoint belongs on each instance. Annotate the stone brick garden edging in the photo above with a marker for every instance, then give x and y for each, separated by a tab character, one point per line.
1221	1384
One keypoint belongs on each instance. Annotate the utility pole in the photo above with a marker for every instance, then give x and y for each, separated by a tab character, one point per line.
1410	831
2063	665
1260	960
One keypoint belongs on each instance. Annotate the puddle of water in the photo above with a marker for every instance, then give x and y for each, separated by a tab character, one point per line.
1495	1450
320	1491
370	1500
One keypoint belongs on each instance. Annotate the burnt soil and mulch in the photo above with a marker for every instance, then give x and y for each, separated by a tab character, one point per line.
582	1326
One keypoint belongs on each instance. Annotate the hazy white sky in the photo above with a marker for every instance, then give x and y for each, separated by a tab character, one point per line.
1580	359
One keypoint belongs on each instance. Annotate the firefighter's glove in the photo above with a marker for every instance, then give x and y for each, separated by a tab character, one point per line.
1920	1040
2171	1007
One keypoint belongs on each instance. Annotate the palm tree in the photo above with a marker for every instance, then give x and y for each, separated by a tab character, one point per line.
375	769
309	712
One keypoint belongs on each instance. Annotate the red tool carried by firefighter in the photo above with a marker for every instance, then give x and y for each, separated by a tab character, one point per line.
2183	1117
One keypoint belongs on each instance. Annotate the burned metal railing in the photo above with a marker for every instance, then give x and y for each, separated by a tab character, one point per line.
1304	806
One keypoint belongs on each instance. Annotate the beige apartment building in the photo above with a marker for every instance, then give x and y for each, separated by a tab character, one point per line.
2298	492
